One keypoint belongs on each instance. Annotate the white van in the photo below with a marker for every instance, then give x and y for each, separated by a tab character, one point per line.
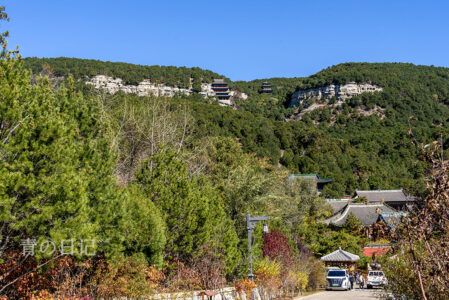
338	279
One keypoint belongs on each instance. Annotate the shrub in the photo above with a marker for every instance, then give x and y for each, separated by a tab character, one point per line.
276	247
317	276
268	273
245	285
183	277
126	277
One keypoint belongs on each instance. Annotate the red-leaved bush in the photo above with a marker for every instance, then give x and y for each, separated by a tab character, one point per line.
276	247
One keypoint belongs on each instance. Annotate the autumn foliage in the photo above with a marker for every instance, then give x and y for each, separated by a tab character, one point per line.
421	254
276	247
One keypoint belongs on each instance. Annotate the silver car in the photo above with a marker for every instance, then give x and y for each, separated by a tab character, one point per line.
338	280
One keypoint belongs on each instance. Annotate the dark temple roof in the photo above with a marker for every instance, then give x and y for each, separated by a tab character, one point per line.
392	219
368	214
337	204
377	196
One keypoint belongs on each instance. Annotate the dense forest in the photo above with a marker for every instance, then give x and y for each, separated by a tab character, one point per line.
122	196
357	150
347	143
129	73
150	202
163	184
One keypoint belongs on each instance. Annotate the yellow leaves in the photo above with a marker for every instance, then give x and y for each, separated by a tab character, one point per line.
245	285
127	278
42	295
268	273
268	268
299	279
154	277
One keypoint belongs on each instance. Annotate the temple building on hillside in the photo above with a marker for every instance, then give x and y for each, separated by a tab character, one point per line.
266	88
391	220
386	222
338	204
396	199
377	219
341	258
317	181
221	89
367	214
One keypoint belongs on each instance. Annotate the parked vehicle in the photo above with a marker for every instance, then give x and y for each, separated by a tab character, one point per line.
338	280
331	268
375	279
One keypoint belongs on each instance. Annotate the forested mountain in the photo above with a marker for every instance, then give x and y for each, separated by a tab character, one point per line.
130	73
384	74
349	143
111	191
98	166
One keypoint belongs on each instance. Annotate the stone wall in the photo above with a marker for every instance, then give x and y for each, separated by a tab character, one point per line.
340	92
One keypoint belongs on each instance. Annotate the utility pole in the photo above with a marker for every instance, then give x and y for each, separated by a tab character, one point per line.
251	222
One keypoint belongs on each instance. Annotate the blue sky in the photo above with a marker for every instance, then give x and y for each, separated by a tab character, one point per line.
241	39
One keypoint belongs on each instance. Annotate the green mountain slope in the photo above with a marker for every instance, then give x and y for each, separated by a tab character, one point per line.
130	73
347	143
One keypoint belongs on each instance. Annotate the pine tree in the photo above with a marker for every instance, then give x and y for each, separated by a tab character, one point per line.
46	169
191	208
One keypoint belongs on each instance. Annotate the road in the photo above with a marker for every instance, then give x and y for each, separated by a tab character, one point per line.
355	294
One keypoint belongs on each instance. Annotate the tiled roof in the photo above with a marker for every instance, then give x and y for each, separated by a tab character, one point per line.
384	196
392	219
378	250
340	255
337	204
366	213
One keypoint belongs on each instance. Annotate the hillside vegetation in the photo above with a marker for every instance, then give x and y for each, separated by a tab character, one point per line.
130	73
357	150
78	163
149	200
108	196
363	151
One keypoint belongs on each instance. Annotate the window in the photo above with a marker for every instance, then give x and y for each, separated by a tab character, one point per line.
336	273
376	273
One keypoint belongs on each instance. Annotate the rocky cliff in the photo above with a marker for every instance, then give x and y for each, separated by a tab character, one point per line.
147	88
340	92
144	88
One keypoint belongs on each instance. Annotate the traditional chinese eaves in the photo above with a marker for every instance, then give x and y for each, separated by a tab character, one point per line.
340	256
337	204
384	196
367	214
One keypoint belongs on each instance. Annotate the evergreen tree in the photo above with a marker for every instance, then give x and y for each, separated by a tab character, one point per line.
192	211
47	159
142	226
